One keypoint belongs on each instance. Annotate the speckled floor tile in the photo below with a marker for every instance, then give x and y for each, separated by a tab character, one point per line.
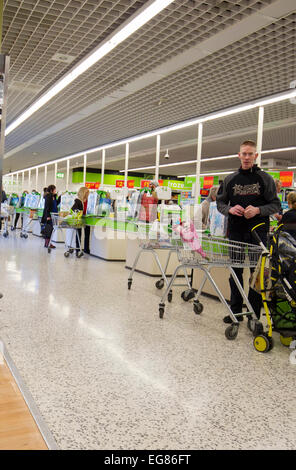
107	373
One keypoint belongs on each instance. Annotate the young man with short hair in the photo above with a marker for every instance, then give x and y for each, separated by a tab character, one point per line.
248	197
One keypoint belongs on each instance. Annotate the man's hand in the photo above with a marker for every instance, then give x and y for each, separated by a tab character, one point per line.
237	210
251	211
278	217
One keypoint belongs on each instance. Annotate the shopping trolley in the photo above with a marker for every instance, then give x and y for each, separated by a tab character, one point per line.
28	216
68	223
6	213
150	246
217	252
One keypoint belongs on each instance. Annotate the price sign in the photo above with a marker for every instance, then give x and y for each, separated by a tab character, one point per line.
286	178
130	183
208	182
92	185
119	183
145	183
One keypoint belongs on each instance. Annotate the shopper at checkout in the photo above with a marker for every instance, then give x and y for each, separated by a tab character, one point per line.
289	218
17	215
148	209
80	204
248	197
51	203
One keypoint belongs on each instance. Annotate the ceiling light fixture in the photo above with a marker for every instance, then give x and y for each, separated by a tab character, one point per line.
128	28
267	100
208	174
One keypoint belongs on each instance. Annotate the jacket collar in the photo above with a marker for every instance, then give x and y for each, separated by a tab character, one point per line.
250	171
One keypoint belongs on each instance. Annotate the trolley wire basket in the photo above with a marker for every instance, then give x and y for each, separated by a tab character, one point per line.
72	223
220	251
67	222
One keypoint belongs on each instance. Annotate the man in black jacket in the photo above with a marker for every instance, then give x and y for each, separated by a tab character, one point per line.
248	197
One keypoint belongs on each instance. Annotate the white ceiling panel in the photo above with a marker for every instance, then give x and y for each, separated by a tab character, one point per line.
46	38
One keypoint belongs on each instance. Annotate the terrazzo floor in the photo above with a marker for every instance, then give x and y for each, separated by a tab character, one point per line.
107	373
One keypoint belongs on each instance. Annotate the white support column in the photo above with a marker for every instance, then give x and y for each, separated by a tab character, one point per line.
23	181
126	164
17	183
103	168
29	188
55	173
68	175
37	179
45	176
198	160
260	134
84	168
157	157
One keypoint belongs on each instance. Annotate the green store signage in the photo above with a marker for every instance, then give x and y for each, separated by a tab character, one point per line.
77	177
189	180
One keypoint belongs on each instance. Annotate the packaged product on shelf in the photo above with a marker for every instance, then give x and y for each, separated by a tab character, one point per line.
134	204
122	210
104	208
218	222
67	201
92	203
13	200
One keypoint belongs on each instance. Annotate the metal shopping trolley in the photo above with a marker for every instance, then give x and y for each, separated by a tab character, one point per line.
69	223
6	213
28	216
218	252
150	246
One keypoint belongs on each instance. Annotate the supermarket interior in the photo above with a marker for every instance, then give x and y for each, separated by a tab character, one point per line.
148	224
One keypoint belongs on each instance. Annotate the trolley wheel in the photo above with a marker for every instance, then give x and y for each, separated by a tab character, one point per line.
262	343
21	235
80	254
1	295
71	250
159	284
48	250
25	235
231	332
271	343
170	296
129	284
292	357
188	295
66	254
197	307
5	234
286	340
255	326
161	312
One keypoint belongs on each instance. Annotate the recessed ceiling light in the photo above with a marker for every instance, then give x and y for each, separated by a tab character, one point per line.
65	58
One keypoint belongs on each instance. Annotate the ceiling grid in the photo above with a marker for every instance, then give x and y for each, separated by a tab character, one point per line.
34	31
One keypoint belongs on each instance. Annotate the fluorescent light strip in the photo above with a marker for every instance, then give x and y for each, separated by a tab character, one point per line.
208	174
268	100
132	26
188	162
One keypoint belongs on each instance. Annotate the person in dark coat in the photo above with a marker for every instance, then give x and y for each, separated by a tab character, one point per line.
248	197
3	199
289	218
50	206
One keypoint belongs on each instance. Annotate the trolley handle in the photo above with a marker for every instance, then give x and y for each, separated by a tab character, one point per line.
257	238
